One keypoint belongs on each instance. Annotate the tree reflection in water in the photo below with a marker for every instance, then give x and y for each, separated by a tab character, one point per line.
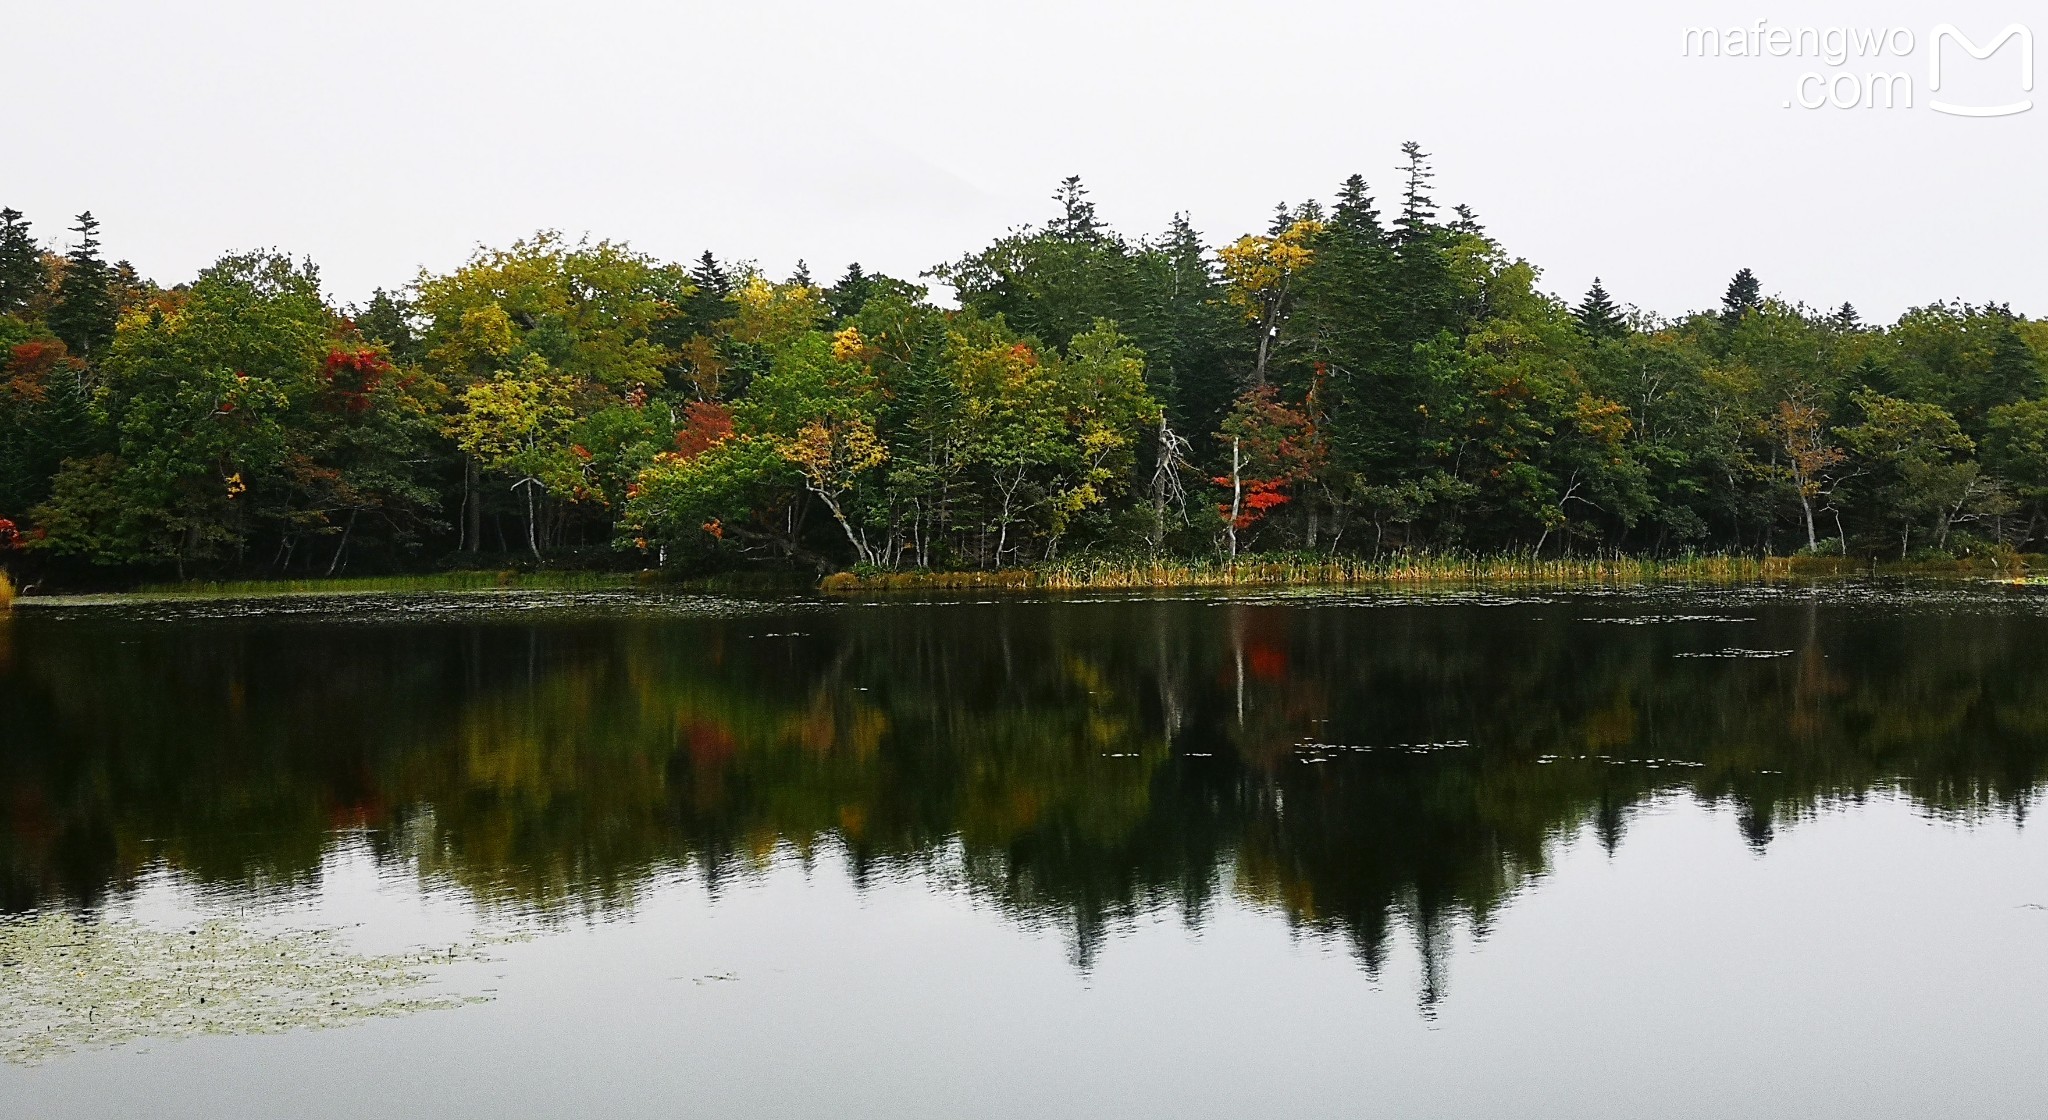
1357	766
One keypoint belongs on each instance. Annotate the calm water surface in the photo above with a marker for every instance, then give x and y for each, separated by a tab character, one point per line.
1760	853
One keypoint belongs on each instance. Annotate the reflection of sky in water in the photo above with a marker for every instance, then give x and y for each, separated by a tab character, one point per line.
1875	962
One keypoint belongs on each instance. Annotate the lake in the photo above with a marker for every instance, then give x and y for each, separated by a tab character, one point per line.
1760	851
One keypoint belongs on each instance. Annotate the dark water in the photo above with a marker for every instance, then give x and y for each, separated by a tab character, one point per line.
1680	854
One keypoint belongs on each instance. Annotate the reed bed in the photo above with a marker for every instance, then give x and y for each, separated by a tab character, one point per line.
1274	571
6	593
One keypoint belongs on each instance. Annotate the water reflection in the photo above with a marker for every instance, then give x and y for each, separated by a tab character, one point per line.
1358	767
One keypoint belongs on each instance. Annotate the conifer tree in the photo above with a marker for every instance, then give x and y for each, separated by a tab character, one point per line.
1077	220
1744	295
1598	315
84	313
850	294
389	319
22	275
707	304
1418	209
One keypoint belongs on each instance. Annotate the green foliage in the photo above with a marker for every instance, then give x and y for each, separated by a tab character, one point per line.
24	278
85	313
1361	385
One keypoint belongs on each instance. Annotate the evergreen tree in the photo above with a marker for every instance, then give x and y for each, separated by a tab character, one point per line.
1845	319
1598	315
1744	295
802	275
707	304
1185	329
388	319
22	274
84	313
1077	220
850	294
1418	209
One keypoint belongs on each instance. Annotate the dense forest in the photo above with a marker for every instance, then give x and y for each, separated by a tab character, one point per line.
1346	381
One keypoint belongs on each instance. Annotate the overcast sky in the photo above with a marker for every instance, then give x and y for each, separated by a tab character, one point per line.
380	138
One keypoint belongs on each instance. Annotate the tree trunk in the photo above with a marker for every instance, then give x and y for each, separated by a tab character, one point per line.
532	541
1236	492
472	508
335	563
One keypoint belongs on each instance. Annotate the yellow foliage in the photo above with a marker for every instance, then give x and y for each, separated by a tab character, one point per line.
6	592
831	454
849	346
774	315
1256	270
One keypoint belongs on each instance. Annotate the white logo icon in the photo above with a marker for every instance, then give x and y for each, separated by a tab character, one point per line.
1948	31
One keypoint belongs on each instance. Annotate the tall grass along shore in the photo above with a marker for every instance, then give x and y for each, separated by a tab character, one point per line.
1269	571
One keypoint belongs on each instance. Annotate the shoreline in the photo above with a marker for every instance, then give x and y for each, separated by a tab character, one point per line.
1104	575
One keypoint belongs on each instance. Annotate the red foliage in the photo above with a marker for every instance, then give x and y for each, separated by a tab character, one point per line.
705	425
10	536
354	375
28	369
1279	445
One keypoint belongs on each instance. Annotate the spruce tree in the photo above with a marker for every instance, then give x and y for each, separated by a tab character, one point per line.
1598	314
707	304
84	313
22	274
1845	319
1418	209
1077	220
850	294
1743	296
389	319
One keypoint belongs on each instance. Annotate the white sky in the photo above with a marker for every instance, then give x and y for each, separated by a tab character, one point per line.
381	137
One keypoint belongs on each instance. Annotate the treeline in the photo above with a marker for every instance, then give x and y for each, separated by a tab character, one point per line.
1344	381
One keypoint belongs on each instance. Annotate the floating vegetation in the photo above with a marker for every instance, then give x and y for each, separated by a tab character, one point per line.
1733	652
407	608
68	983
1329	750
1658	619
441	582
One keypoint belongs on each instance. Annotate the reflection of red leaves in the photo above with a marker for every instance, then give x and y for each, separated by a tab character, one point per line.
709	744
1267	662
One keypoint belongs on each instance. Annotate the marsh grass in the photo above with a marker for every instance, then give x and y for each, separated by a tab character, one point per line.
1285	570
6	593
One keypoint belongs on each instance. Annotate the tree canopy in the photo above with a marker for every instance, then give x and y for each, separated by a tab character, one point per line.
1335	381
